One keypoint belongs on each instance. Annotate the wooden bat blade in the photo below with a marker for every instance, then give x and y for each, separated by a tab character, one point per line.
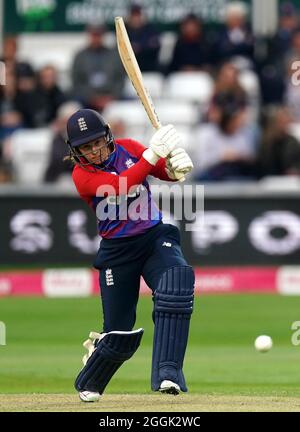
133	71
134	74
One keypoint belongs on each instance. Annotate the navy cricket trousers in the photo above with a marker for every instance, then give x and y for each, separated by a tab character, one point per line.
123	261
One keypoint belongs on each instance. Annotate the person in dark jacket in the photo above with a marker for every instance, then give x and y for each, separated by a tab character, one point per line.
97	72
279	152
56	166
236	39
191	51
144	39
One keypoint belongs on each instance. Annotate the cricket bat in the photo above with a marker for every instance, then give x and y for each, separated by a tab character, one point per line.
134	74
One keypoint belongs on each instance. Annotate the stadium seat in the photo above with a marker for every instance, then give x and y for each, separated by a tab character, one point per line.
190	86
187	135
141	134
181	113
153	81
131	112
30	150
57	49
294	130
249	81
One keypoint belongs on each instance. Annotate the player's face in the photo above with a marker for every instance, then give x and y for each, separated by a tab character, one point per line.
96	152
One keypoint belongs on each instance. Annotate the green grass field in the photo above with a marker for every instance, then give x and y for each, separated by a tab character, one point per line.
223	371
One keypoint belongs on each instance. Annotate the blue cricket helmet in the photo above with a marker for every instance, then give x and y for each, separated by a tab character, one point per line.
84	126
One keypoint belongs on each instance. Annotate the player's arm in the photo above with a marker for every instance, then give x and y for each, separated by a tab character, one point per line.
178	161
103	183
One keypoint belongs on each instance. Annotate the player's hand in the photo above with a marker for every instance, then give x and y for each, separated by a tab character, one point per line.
179	161
165	140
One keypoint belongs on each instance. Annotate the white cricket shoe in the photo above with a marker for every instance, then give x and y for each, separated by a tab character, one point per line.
169	387
88	396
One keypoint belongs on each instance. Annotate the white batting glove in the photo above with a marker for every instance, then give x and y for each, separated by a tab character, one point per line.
165	140
178	161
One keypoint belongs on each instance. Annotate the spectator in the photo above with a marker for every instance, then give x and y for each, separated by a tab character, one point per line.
285	67
51	95
57	166
294	52
273	62
226	147
10	55
236	39
10	118
5	173
279	152
227	81
191	51
97	72
144	39
288	23
10	121
28	101
291	97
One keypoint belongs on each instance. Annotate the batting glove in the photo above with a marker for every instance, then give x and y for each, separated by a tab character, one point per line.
178	161
165	140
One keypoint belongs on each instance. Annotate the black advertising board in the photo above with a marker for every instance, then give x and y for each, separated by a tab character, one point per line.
263	230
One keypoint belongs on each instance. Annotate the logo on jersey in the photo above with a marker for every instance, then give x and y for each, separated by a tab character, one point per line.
167	244
109	277
129	163
82	124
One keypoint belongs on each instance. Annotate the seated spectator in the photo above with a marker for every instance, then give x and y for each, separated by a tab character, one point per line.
10	121
228	81
291	97
279	151
52	96
283	68
28	101
5	172
10	118
59	149
271	61
287	24
236	39
97	72
144	39
191	51
226	147
10	55
293	54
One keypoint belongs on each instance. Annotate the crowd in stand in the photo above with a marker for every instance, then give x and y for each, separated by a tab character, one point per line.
229	143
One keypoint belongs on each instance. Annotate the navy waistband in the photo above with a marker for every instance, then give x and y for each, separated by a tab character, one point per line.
122	240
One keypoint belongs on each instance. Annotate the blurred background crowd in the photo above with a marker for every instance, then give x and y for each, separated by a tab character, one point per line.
234	97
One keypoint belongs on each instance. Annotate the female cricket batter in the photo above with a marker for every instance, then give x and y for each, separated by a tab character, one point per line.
111	176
